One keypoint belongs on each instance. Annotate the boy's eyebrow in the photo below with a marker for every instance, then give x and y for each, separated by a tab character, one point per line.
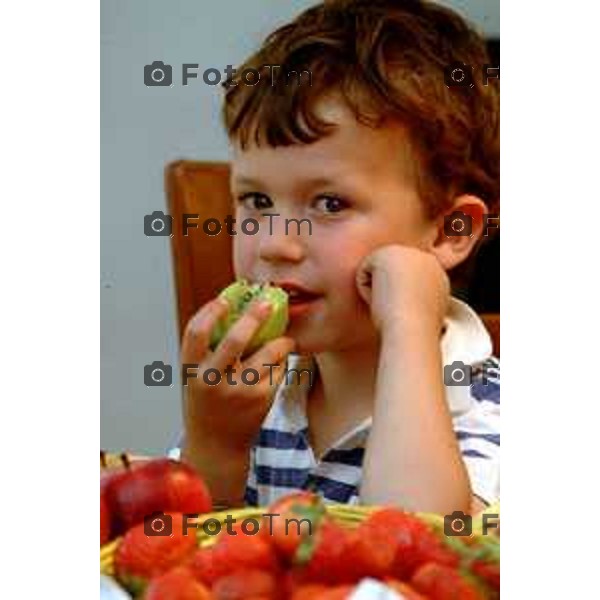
313	182
241	179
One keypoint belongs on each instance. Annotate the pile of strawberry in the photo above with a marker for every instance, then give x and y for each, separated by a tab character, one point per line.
285	559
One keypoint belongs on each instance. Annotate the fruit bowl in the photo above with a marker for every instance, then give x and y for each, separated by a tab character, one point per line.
345	515
148	507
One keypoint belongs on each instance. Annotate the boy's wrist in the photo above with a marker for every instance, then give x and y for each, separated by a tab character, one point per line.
213	458
223	467
206	440
410	326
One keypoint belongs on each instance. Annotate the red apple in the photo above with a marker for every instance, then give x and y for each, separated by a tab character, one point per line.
110	475
105	525
160	485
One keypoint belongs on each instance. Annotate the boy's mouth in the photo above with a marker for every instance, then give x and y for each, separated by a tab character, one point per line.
301	299
297	293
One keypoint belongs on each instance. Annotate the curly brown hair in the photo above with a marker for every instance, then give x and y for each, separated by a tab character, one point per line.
387	59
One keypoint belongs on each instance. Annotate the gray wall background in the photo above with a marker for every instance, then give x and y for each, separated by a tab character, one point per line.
143	129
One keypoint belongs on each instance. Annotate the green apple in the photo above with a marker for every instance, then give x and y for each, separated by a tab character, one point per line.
240	295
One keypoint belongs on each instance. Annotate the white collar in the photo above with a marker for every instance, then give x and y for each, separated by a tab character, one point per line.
466	337
465	340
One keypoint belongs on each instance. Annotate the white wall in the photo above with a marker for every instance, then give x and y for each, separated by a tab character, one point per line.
143	129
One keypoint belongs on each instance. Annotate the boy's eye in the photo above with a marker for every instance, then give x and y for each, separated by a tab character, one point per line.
330	204
255	201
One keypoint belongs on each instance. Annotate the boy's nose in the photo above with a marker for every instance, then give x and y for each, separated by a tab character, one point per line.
280	243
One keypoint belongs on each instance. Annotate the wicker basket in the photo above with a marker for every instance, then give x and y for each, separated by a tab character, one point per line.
347	516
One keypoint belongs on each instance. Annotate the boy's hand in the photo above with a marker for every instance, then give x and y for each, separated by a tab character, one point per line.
412	458
404	286
231	412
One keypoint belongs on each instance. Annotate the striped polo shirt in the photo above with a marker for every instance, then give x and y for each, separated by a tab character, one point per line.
282	460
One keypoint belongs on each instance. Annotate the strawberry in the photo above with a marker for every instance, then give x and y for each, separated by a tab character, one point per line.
246	584
177	584
406	592
481	557
322	592
291	581
488	572
308	591
234	552
338	592
205	567
324	558
371	551
293	519
440	582
140	557
413	541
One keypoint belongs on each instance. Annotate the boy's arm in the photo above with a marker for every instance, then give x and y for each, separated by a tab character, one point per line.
222	420
412	458
224	469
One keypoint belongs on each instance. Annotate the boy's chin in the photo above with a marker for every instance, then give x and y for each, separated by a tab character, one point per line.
320	342
307	347
309	342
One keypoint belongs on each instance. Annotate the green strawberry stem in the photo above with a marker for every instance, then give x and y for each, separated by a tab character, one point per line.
315	515
134	584
483	550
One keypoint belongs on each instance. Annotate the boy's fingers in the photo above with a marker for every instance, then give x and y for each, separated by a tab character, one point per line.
364	279
231	348
197	332
270	360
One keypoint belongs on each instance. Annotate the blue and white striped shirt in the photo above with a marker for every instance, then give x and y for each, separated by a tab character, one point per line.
283	461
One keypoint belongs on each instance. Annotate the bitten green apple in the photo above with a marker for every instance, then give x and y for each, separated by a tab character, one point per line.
240	295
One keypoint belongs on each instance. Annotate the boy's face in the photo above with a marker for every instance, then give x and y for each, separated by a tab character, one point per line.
356	189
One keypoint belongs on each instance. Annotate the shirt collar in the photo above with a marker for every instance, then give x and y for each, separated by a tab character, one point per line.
465	340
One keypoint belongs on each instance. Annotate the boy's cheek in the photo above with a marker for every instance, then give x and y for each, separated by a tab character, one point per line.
242	258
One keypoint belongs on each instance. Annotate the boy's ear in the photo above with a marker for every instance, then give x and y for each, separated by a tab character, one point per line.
458	230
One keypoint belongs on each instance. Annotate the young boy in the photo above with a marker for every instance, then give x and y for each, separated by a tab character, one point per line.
375	152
